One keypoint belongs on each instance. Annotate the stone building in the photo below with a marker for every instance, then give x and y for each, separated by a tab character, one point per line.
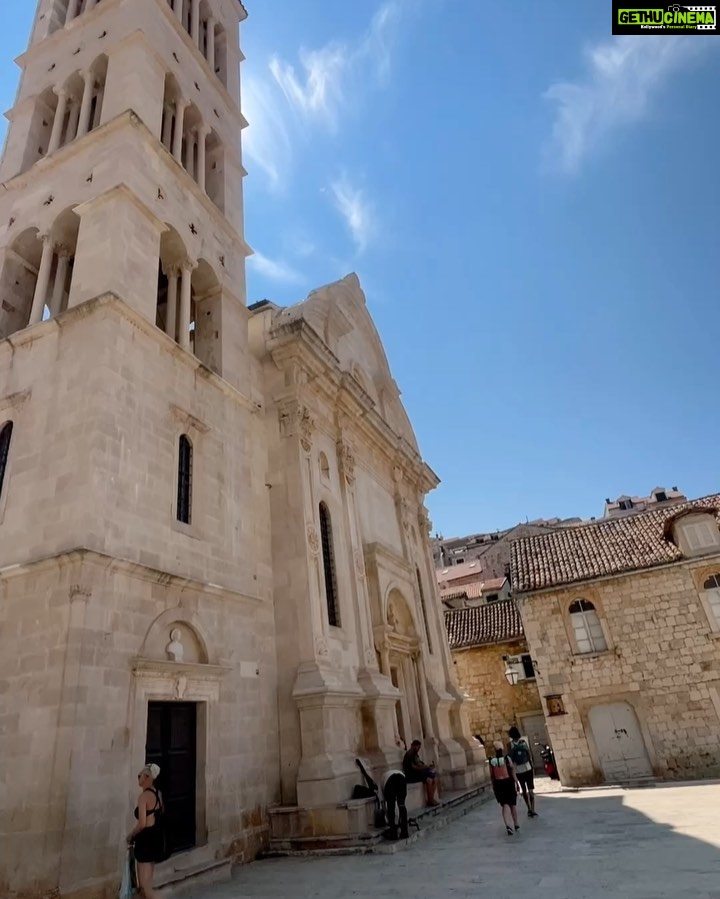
213	542
495	669
623	619
659	497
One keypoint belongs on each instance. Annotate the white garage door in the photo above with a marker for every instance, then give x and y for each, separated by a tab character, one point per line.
619	741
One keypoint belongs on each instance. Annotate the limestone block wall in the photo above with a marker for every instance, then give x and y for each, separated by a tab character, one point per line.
94	456
494	704
662	658
74	716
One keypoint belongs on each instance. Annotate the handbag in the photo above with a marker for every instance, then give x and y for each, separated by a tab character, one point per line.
126	886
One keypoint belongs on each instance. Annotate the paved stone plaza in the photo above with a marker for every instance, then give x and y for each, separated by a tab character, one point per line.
631	844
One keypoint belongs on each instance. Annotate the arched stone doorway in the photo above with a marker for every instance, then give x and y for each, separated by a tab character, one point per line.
401	660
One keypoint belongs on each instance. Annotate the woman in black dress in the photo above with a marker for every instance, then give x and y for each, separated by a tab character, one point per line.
505	787
147	836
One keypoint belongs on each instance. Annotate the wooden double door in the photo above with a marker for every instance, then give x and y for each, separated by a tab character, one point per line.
172	744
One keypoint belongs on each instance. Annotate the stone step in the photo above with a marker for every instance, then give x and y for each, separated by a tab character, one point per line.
171	881
422	822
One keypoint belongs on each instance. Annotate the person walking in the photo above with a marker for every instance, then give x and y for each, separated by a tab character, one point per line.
505	787
395	794
148	837
521	757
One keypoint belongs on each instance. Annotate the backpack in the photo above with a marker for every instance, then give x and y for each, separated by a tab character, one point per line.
499	768
520	752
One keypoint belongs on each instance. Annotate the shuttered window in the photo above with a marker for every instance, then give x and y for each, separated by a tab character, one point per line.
587	629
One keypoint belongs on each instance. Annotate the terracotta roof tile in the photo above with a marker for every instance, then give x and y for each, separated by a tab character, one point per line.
471	591
495	622
607	547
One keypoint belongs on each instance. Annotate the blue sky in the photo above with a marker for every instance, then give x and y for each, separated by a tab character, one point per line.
534	215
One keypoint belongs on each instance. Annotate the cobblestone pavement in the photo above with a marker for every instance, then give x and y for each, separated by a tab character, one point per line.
647	843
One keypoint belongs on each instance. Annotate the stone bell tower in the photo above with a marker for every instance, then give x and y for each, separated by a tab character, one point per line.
122	170
133	502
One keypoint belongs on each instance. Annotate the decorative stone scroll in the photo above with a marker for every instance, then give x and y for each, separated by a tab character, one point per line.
359	564
313	539
346	461
297	419
321	647
424	520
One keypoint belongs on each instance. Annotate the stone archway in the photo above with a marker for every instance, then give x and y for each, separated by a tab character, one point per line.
400	650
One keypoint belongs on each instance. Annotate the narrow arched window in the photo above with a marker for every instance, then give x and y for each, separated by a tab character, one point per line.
328	556
586	625
185	466
423	608
5	437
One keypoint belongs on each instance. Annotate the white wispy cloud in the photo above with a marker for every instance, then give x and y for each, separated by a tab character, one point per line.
275	269
284	100
266	142
624	76
318	89
355	209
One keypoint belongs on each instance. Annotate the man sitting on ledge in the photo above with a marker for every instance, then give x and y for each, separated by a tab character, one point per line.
416	771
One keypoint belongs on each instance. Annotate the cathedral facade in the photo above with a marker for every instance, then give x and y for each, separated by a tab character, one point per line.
214	549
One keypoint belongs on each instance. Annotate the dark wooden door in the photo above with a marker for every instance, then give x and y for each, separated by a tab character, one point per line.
172	744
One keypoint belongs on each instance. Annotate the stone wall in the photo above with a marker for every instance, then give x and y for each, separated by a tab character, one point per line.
494	704
662	659
82	650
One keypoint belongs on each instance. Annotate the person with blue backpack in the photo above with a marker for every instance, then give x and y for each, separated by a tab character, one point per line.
521	756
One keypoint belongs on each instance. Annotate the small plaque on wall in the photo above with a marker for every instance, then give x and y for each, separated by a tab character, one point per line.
555	705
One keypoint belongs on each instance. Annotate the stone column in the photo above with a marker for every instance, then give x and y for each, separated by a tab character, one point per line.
90	4
185	303
178	8
190	152
180	106
173	273
167	128
43	280
202	133
59	121
73	119
210	53
86	105
424	700
72	10
195	23
64	255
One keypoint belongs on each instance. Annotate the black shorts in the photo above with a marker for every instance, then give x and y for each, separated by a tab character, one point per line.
505	791
419	776
395	789
527	779
150	845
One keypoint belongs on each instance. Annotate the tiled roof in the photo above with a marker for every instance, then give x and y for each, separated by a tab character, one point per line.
495	583
471	591
495	622
607	547
455	572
